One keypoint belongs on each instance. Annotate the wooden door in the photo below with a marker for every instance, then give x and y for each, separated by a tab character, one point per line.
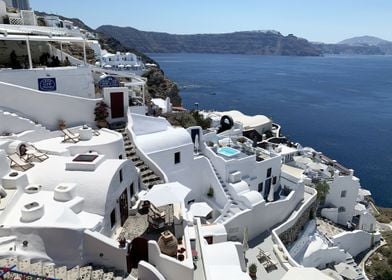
117	104
124	207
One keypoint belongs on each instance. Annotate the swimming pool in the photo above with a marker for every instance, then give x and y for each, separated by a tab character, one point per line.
228	152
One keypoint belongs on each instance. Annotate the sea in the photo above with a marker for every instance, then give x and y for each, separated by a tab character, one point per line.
339	105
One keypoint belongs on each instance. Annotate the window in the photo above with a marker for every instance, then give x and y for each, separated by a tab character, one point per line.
341	209
274	180
121	176
269	172
113	218
120	157
177	158
260	187
343	194
267	188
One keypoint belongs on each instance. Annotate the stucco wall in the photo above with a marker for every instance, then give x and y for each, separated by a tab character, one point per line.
47	108
170	267
96	244
262	217
74	81
356	241
350	184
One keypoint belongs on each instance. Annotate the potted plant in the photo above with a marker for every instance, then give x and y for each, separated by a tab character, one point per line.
101	113
122	242
252	270
210	192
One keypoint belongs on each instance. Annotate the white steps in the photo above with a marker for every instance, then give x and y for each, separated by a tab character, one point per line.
61	272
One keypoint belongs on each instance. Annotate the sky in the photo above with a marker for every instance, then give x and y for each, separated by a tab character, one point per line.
328	21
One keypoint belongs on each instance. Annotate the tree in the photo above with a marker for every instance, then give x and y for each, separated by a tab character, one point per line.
322	191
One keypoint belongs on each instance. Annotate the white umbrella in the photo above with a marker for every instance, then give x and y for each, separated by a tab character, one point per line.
121	66
107	66
165	194
200	209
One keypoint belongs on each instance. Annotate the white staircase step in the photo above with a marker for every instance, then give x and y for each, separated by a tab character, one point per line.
61	272
85	272
73	274
108	276
97	274
36	268
48	270
24	265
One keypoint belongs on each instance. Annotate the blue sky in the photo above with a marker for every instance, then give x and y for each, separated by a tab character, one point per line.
315	20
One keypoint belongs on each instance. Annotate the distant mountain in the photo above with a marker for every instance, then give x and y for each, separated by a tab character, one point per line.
364	41
350	50
248	42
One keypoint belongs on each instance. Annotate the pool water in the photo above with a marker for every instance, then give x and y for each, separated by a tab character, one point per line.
228	152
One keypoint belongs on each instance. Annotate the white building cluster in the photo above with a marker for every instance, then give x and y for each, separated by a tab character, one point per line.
153	200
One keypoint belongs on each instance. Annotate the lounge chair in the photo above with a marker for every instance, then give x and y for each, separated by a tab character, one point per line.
69	136
34	153
17	161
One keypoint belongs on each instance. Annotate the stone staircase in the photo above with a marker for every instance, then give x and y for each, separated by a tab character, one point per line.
350	261
233	207
49	270
147	176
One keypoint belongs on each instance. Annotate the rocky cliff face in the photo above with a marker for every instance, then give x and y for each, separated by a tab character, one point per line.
159	86
248	42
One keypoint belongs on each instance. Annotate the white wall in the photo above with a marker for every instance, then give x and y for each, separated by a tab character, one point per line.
16	124
146	271
324	256
367	222
74	81
94	244
107	92
350	184
330	213
47	108
356	241
169	267
290	222
116	188
262	217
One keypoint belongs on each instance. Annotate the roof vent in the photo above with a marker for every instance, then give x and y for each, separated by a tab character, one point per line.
32	189
32	211
64	192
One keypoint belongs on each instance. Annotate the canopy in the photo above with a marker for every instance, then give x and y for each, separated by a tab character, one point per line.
165	194
200	209
107	66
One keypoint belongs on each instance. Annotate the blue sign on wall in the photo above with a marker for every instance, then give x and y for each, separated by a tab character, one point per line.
47	84
108	81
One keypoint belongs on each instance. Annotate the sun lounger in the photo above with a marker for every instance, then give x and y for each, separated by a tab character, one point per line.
34	153
69	136
16	161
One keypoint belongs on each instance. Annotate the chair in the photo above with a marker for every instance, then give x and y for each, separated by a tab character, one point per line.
16	161
69	136
33	152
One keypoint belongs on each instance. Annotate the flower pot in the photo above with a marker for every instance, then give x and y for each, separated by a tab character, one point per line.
102	123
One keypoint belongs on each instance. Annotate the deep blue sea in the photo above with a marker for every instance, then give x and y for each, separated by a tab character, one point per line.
339	105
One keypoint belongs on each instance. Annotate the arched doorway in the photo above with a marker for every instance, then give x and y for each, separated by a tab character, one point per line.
137	251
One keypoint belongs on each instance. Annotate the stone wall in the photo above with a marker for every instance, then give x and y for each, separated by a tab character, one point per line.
290	235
